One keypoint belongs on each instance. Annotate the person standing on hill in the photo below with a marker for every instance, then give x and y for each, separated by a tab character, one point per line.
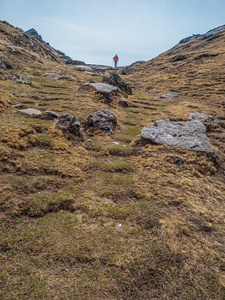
115	58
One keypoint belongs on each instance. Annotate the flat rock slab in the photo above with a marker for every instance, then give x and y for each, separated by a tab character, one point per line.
101	88
30	112
169	95
108	92
190	134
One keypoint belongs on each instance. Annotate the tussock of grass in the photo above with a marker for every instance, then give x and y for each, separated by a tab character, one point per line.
5	99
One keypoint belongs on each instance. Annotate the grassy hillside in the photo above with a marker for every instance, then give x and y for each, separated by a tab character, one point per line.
108	217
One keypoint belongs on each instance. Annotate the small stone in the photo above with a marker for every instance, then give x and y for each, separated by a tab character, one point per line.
123	102
201	117
17	105
11	47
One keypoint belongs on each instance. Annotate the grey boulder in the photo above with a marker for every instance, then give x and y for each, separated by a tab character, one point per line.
103	120
190	134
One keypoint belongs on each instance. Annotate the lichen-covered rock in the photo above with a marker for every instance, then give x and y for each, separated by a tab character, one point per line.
69	124
190	134
103	120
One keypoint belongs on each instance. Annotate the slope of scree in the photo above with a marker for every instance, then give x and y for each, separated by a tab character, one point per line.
98	216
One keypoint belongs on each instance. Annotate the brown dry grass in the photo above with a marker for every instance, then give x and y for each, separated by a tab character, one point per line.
85	218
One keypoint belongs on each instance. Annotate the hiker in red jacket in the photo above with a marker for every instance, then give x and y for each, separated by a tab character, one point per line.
115	58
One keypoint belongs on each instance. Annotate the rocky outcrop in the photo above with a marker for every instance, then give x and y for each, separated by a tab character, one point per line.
189	38
190	134
116	80
103	120
35	34
214	32
69	124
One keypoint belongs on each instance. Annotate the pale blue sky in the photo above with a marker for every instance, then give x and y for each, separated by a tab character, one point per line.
95	30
